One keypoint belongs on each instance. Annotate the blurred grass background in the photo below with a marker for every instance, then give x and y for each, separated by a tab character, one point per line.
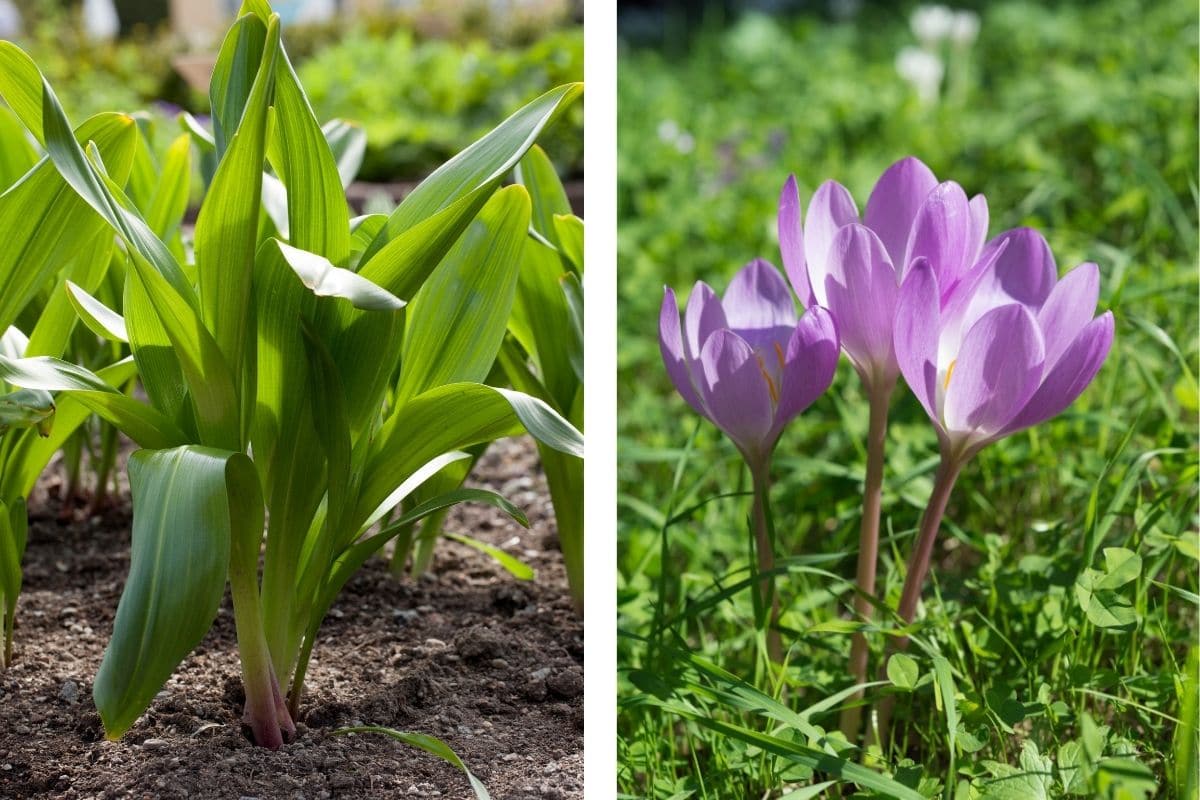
424	78
1079	119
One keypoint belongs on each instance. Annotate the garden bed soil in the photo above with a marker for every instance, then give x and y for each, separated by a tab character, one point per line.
489	664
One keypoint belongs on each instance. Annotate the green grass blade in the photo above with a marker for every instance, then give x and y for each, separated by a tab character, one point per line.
430	745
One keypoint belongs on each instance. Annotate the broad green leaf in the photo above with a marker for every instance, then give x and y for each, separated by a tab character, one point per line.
21	87
457	322
140	422
536	174
348	142
902	671
323	279
1125	778
430	745
234	74
318	215
170	200
102	193
482	164
27	408
570	239
1031	781
28	457
1121	567
44	223
17	155
182	525
227	226
99	318
58	319
454	417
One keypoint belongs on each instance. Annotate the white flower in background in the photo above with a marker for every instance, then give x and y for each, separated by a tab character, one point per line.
923	70
10	20
669	132
932	24
100	21
965	28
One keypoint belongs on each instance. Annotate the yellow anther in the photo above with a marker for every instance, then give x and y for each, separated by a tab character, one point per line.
949	372
771	387
779	354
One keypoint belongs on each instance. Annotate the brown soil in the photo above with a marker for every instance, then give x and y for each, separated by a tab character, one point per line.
490	665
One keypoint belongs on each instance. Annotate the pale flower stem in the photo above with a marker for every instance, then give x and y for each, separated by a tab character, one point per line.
764	549
868	551
918	564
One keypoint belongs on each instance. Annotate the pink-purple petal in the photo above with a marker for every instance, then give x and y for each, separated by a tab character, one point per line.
918	319
894	202
1073	372
996	372
809	364
830	208
861	289
979	227
1068	309
670	341
941	233
758	305
736	392
1024	270
791	241
701	319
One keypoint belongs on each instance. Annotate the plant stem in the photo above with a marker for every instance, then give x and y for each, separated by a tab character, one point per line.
265	714
764	541
918	562
868	549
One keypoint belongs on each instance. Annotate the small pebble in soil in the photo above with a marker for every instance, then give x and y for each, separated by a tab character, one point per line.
69	692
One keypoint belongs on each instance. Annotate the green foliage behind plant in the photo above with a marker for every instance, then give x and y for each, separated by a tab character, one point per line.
1077	119
421	101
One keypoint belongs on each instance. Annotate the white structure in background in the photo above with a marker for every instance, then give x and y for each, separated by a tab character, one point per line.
10	20
100	21
965	28
932	24
922	69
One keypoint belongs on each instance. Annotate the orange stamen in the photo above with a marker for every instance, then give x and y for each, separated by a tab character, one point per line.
949	372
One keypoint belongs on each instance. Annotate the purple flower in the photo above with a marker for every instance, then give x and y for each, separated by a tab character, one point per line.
744	361
854	266
1004	347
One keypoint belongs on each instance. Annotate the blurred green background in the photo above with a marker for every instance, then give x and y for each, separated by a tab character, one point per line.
1079	119
424	79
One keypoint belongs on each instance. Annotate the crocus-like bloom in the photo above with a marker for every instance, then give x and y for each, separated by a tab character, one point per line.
854	266
1002	348
743	361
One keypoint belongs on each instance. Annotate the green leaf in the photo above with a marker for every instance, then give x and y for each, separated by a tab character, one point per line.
99	318
323	279
517	568
182	524
1121	567
44	223
457	322
570	238
536	173
348	142
483	164
140	422
1125	778
170	200
454	417
226	238
1185	772
27	408
430	745
902	671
